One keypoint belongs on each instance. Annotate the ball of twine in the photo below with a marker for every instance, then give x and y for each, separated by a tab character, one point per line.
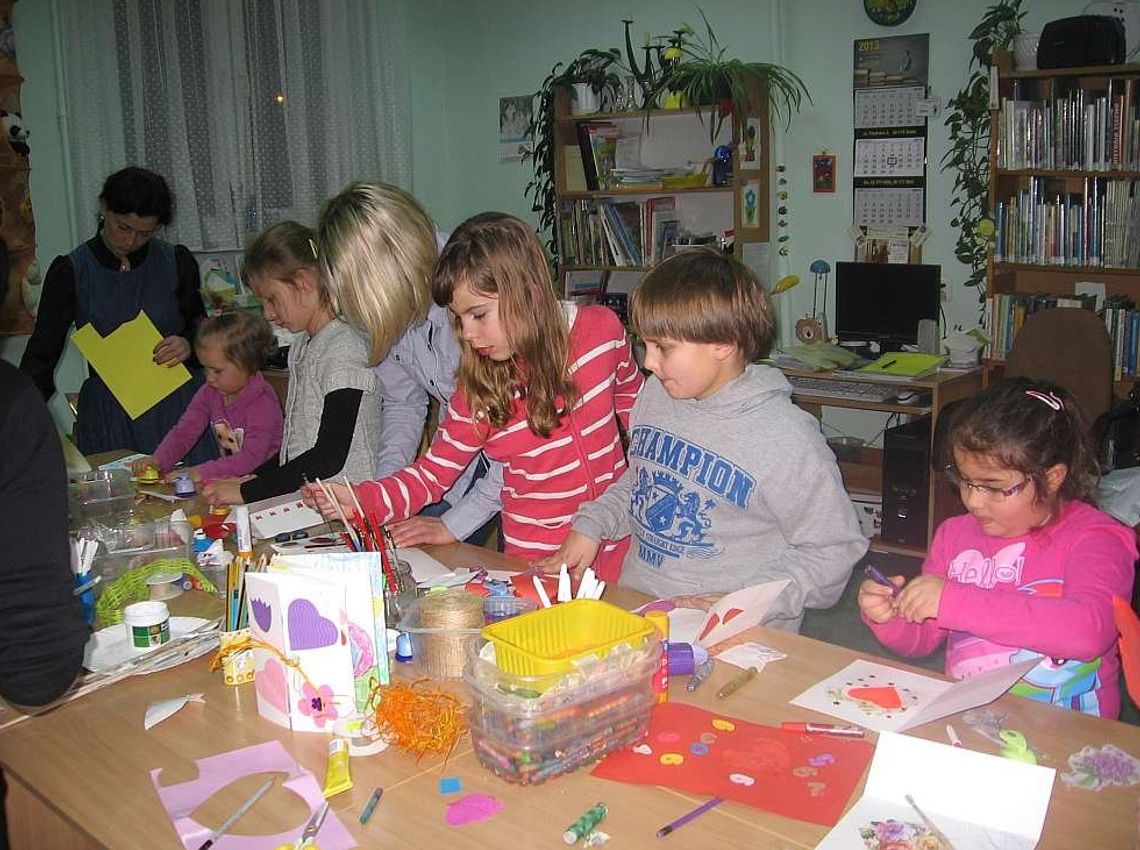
455	619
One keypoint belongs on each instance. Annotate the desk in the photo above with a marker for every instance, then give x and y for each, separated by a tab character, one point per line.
79	776
865	475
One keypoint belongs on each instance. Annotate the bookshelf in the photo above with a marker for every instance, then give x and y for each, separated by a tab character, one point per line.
1065	196
612	231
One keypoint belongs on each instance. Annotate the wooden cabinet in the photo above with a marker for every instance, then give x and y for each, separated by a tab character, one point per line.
616	226
1065	194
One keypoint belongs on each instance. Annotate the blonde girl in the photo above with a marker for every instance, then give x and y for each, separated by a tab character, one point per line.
331	416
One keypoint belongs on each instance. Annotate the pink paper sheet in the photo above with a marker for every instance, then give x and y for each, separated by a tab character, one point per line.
216	772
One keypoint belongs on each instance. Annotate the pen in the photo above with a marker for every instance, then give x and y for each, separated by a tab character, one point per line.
887	365
699	676
695	813
876	575
370	806
952	734
825	729
736	684
236	816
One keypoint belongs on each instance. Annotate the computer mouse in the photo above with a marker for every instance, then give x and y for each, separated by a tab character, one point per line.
907	396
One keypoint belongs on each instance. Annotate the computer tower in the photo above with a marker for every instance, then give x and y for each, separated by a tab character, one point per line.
906	483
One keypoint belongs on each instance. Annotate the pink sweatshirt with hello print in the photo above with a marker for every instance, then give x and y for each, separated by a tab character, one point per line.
544	478
1048	592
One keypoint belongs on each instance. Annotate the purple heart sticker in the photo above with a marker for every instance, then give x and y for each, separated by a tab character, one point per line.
307	628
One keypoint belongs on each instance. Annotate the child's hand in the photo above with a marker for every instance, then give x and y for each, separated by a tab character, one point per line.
314	497
421	531
577	552
138	467
876	602
224	491
921	598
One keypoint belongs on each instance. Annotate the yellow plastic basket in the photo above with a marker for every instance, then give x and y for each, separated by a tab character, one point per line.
550	640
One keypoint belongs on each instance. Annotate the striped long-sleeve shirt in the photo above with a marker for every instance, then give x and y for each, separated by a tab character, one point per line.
544	478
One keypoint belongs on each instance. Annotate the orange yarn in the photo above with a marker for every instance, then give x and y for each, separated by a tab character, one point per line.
420	721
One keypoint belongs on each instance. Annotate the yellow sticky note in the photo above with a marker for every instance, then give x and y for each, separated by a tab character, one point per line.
124	360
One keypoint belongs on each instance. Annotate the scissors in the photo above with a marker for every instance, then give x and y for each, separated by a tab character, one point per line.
305	842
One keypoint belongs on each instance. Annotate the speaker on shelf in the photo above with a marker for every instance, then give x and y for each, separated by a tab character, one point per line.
906	483
1081	40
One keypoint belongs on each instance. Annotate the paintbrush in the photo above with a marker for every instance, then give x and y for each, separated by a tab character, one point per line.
368	530
340	513
939	834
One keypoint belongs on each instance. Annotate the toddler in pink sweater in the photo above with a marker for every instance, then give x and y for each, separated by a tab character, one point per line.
1031	570
236	403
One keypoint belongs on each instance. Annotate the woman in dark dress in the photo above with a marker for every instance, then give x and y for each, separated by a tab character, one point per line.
106	281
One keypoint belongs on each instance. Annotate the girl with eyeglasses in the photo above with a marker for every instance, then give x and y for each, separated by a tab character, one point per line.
1031	569
121	270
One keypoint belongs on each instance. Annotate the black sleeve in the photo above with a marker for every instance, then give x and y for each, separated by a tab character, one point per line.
190	303
56	313
42	632
324	460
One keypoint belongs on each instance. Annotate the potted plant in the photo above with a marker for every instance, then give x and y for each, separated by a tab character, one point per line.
968	120
705	77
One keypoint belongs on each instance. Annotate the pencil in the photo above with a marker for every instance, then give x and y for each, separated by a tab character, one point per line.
236	816
684	819
939	834
340	514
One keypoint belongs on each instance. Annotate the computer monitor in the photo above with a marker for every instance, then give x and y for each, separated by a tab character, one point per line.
881	304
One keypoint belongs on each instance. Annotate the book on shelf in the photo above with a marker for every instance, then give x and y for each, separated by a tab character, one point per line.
597	142
586	286
606	232
656	209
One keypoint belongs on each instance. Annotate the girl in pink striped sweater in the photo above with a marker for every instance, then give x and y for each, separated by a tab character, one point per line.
542	386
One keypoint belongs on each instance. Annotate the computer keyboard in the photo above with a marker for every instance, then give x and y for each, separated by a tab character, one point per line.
851	390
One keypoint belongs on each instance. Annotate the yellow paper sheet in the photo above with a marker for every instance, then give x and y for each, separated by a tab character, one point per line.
124	360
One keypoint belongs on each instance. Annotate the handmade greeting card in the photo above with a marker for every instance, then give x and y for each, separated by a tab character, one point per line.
806	777
888	699
921	794
726	618
304	678
280	515
361	574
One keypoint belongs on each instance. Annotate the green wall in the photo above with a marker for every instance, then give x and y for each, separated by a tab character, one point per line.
466	55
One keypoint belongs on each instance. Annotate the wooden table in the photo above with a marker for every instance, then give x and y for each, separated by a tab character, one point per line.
79	776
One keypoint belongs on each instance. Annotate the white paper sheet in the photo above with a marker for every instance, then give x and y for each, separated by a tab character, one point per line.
742	609
271	517
885	698
976	800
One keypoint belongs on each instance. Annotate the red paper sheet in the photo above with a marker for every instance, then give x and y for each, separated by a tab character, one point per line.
806	777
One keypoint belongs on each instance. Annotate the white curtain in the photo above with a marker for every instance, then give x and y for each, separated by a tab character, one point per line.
253	110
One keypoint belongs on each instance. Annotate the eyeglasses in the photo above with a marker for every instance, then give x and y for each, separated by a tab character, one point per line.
126	231
986	491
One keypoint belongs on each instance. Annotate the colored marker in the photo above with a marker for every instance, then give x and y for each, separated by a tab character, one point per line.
825	729
699	676
695	813
955	741
585	824
736	684
370	806
875	575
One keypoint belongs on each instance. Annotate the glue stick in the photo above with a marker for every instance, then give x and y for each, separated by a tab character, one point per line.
244	535
585	824
337	776
660	620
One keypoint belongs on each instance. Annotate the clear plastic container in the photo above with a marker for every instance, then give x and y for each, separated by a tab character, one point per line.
439	653
528	729
135	540
497	608
99	494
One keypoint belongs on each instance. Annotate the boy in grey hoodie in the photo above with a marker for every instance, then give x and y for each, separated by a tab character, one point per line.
729	484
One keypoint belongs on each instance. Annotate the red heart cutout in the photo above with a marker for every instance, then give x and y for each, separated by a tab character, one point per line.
886	698
713	622
732	612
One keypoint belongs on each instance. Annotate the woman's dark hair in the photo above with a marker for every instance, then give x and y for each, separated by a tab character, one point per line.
1029	426
138	191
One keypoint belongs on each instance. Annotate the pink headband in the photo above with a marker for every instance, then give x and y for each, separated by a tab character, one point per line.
1047	398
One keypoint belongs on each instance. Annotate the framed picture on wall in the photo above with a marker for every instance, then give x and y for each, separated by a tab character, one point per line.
823	172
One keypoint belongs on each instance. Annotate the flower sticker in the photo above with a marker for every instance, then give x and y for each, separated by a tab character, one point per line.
1093	768
317	704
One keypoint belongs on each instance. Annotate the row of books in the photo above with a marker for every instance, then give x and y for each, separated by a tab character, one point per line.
1082	129
596	232
1099	226
1008	312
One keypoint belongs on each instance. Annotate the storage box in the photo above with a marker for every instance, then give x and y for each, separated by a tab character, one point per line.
553	639
135	540
439	653
528	729
99	494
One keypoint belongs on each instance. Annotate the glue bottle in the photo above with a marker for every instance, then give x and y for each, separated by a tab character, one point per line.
660	620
